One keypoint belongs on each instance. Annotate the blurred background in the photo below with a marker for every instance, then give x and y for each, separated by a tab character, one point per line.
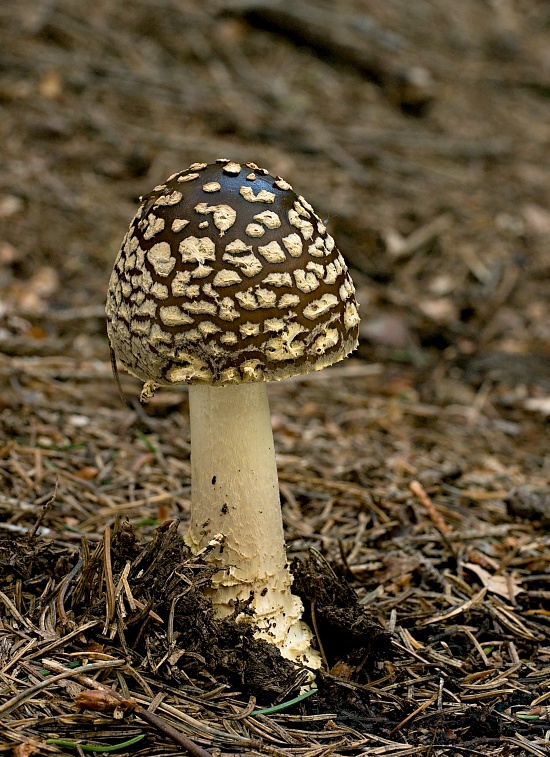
419	130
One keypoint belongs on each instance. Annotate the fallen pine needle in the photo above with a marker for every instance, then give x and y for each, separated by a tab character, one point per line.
476	599
96	747
284	705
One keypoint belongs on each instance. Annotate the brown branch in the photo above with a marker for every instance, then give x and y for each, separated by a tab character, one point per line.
149	717
46	508
411	88
420	493
177	737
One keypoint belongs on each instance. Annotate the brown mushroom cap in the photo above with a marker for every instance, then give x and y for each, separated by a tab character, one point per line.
227	276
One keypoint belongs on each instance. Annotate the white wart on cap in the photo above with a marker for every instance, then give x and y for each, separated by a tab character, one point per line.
225	276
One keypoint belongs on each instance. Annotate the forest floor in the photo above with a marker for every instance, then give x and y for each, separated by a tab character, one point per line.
414	477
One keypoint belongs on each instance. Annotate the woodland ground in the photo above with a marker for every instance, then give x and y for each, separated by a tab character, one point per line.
415	476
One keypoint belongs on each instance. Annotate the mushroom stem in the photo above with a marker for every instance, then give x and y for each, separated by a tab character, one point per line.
235	492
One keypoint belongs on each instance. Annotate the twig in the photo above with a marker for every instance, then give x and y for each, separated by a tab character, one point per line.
30	691
179	738
399	246
475	600
416	712
157	722
419	492
325	33
60	602
81	630
48	506
65	316
318	635
342	487
116	376
109	584
14	611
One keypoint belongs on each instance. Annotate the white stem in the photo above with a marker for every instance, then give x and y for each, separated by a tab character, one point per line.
235	492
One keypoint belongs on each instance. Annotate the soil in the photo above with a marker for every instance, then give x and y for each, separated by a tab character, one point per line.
414	477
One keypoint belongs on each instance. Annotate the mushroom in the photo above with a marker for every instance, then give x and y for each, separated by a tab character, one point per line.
226	280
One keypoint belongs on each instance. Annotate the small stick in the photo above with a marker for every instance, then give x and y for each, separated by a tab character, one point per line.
110	587
177	737
157	722
114	369
45	509
419	492
60	602
418	710
328	35
317	635
7	707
